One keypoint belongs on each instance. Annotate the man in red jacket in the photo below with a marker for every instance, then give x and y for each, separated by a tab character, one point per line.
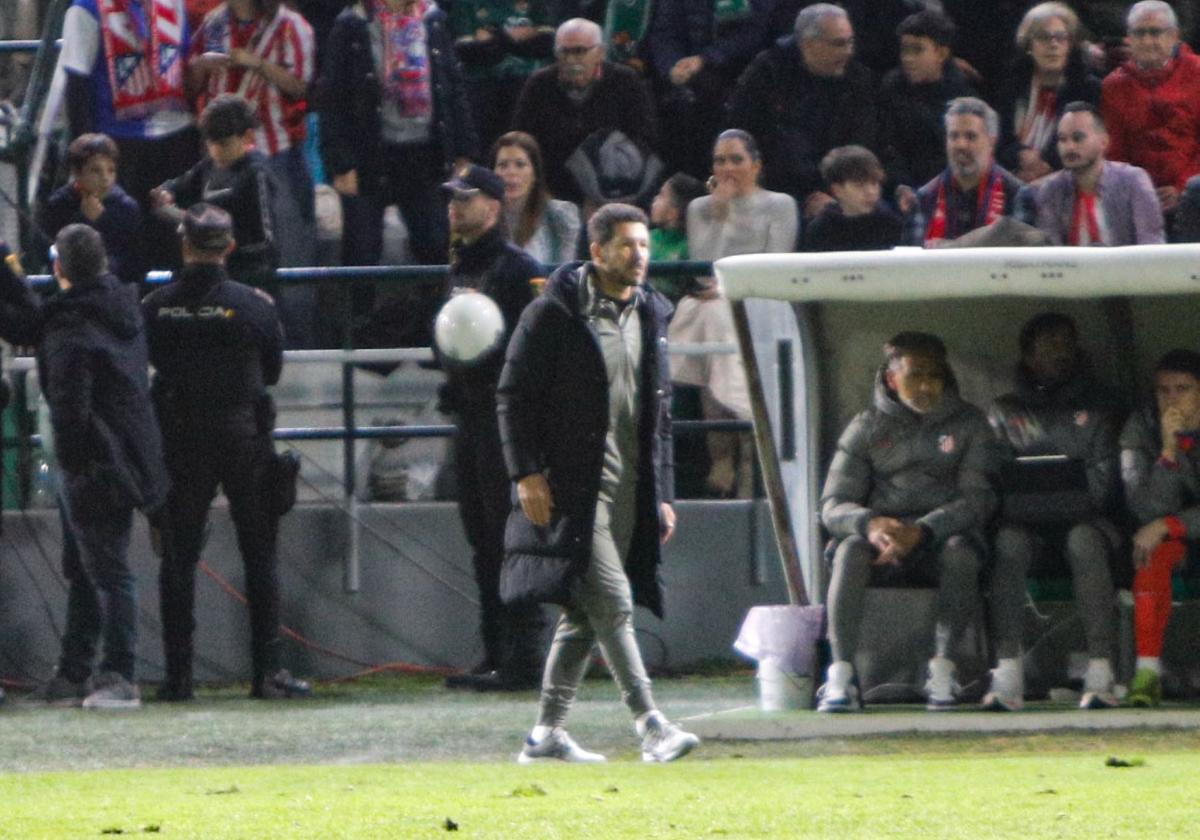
1151	103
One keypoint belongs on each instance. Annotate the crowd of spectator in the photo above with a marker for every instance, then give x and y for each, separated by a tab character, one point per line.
610	102
815	127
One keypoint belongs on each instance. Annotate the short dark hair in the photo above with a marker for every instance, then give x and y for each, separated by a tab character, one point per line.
87	146
1081	107
684	190
851	163
602	226
744	137
1179	360
1041	324
227	115
931	24
912	343
81	255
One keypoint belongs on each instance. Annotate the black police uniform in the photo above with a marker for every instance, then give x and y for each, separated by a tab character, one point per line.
216	345
512	636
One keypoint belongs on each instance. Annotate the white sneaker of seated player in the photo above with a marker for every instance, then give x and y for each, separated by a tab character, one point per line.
839	693
1007	692
1098	686
941	689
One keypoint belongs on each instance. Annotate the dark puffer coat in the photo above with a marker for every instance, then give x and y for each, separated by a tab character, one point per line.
93	366
553	412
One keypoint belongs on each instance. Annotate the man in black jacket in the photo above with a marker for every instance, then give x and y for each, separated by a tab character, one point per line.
584	409
393	123
92	367
485	261
1061	485
216	345
581	95
802	97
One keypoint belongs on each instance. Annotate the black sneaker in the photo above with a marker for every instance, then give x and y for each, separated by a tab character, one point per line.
61	692
281	686
175	691
494	681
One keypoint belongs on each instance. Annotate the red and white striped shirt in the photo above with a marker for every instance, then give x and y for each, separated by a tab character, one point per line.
285	39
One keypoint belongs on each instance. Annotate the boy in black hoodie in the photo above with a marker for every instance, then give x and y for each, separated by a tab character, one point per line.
234	177
93	197
857	220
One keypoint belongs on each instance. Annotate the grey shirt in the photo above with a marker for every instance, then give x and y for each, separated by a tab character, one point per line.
619	330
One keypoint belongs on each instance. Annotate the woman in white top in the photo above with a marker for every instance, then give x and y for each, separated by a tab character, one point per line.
738	217
545	228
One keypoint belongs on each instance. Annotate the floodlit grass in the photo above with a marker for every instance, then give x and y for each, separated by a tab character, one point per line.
406	759
1058	795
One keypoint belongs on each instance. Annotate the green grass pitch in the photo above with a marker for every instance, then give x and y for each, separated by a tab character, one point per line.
404	759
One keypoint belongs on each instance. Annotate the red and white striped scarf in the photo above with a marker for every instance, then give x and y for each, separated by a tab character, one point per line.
1041	117
143	44
406	77
989	206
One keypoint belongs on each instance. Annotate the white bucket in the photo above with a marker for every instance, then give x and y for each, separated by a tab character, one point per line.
779	691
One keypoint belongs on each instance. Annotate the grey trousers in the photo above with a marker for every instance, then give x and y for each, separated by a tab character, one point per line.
601	613
955	564
1087	549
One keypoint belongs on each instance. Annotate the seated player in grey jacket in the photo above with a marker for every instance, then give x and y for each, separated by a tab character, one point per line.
906	500
1059	487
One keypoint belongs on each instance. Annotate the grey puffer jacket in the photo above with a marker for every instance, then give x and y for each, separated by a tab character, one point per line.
928	469
1078	419
1154	489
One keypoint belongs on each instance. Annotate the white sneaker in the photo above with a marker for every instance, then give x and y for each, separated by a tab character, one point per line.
557	746
940	687
112	691
664	741
839	693
1007	693
1098	686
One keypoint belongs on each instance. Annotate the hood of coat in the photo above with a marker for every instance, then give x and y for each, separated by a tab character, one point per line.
106	303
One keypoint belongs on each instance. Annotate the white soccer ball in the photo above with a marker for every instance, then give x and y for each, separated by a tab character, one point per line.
469	327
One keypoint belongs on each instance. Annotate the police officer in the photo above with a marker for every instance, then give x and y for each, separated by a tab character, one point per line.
485	261
217	345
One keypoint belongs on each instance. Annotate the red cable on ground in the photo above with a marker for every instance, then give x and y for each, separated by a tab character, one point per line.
371	668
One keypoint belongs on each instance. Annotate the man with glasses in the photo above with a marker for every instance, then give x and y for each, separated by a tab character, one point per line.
579	95
805	96
1151	103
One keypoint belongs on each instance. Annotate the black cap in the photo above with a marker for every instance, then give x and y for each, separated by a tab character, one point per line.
476	179
207	227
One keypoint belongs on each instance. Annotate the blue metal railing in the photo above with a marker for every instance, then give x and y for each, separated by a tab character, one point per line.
19	46
349	431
